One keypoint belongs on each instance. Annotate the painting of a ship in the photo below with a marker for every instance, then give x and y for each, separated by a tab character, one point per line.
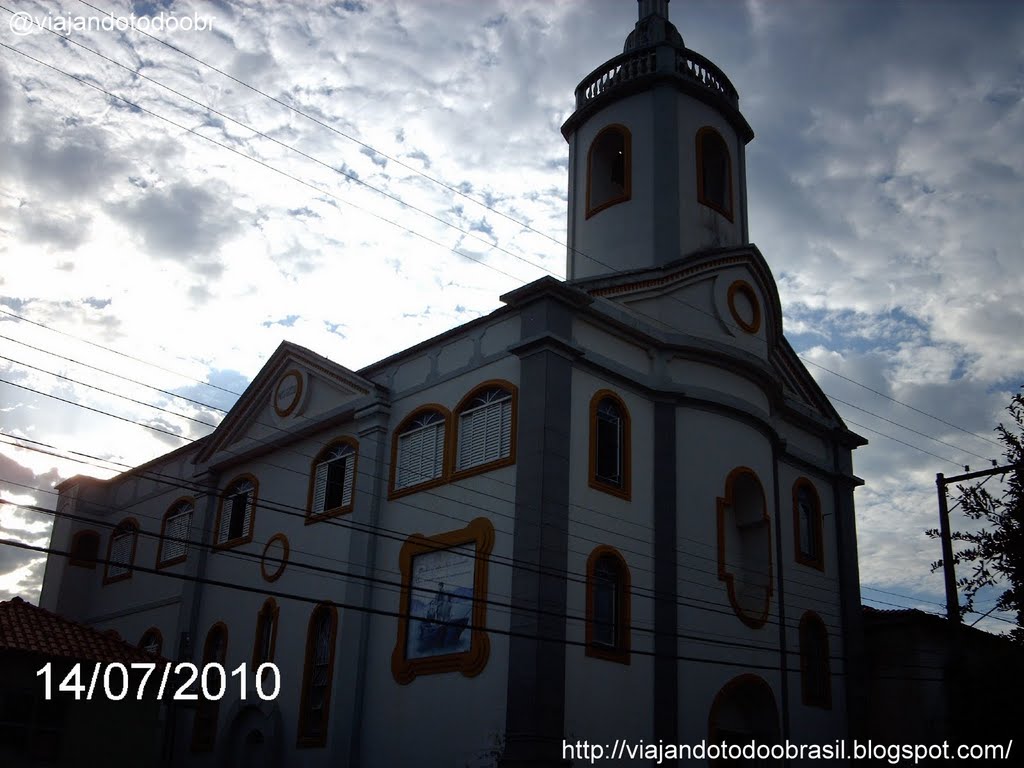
441	603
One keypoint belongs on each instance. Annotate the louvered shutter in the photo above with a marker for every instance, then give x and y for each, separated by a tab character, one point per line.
485	434
225	520
472	443
408	449
319	488
435	435
247	522
506	428
176	533
350	479
120	554
420	455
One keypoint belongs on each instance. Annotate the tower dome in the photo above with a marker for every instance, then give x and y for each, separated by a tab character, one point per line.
656	155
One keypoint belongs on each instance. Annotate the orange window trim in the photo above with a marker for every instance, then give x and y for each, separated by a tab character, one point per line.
479	532
740	681
344	509
160	562
818	534
271	608
724	574
307	675
507	461
625	492
627	143
272	576
701	196
744	288
619	653
208	709
129	522
220	511
446	460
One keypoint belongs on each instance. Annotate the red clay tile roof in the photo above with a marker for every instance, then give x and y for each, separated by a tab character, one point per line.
31	629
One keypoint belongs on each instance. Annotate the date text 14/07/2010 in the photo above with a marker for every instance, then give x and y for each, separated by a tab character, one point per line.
117	681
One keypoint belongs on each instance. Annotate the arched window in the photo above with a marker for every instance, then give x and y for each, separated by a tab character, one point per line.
608	633
609	169
204	726
743	711
85	549
714	172
609	444
266	633
815	671
317	675
121	551
744	546
237	509
174	533
418	449
332	480
485	419
152	641
807	525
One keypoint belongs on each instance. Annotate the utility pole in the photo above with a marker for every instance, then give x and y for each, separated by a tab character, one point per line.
941	481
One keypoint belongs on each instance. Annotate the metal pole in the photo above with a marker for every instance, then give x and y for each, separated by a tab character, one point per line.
952	600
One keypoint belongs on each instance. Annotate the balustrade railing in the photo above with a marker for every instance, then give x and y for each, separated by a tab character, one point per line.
635	64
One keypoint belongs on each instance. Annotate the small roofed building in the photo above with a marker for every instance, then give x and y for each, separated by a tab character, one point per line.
42	725
931	680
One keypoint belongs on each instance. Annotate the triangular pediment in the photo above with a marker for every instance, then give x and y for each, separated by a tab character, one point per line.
725	297
727	301
296	390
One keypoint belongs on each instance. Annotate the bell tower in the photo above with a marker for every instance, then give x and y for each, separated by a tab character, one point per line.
656	155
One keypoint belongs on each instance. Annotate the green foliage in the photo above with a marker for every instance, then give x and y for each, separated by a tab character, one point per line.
995	552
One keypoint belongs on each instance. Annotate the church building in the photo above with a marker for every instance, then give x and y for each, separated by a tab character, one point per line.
617	508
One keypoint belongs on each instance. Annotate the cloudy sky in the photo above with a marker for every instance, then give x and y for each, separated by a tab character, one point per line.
157	207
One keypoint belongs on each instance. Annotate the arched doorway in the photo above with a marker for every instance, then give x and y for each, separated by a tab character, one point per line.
744	711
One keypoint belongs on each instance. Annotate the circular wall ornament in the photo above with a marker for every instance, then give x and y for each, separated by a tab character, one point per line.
275	557
744	306
288	393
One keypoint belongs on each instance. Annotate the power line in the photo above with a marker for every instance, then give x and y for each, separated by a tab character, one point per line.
370	610
489	510
399	536
263	591
387	585
388	194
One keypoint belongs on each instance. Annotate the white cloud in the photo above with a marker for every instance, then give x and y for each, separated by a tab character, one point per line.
884	190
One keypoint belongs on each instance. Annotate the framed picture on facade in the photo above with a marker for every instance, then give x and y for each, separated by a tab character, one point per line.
443	610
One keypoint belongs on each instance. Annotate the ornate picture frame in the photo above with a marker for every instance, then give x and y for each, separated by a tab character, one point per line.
443	608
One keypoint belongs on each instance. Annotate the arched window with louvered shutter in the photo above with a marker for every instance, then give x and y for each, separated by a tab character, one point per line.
418	451
121	551
332	480
485	428
237	511
174	533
